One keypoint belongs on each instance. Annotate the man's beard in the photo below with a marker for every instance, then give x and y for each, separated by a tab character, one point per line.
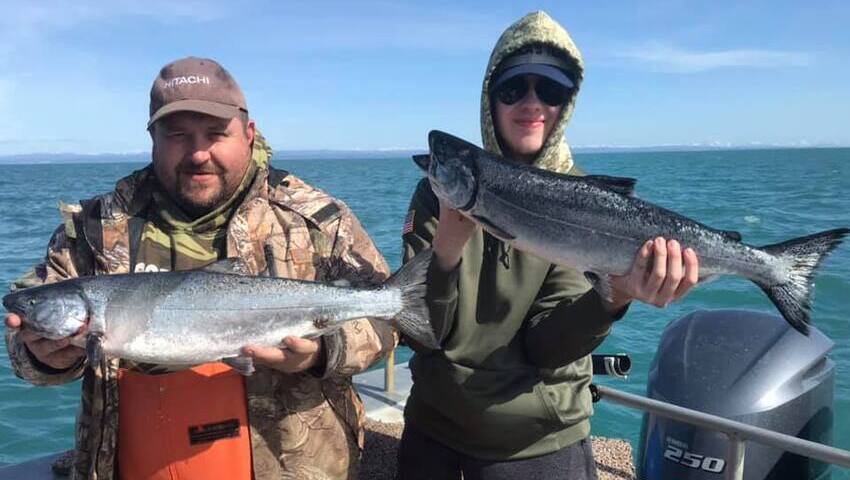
196	207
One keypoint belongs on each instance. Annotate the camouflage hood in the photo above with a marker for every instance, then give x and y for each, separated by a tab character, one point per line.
534	28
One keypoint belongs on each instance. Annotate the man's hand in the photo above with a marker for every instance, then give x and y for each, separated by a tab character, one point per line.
296	355
661	274
58	354
453	231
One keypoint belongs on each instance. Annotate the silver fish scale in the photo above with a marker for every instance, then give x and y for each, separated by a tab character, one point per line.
195	317
597	229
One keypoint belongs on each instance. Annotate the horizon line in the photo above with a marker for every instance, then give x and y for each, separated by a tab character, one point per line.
332	154
663	147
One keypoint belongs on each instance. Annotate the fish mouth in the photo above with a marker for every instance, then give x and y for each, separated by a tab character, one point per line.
422	161
36	328
452	170
25	304
12	304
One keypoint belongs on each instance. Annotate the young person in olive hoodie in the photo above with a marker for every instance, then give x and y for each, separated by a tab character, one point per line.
507	395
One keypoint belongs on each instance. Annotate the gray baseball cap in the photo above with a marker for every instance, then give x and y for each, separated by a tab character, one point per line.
195	85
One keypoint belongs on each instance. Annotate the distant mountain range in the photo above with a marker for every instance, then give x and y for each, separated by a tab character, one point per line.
144	157
37	158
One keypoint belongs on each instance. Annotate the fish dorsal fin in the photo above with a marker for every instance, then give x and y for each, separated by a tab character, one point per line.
422	161
231	266
732	235
621	185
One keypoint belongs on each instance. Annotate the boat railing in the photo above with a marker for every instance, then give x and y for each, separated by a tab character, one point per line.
737	432
389	373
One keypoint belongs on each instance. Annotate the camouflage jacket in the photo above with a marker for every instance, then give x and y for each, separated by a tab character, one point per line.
302	426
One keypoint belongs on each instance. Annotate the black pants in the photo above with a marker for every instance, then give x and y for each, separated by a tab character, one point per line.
422	458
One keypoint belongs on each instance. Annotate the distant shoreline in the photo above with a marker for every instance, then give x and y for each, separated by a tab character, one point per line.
73	158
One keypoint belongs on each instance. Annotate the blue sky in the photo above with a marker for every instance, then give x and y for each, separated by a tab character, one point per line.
75	75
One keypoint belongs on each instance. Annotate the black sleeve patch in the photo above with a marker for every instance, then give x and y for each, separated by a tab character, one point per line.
328	212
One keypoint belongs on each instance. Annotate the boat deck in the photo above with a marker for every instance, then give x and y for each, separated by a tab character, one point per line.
385	423
383	430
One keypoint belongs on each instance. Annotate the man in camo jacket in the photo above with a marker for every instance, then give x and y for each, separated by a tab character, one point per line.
210	194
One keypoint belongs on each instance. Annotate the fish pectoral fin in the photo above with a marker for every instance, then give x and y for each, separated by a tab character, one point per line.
496	231
732	235
602	284
232	266
94	348
242	364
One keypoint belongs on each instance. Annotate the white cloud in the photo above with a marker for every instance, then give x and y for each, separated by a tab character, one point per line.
24	24
667	58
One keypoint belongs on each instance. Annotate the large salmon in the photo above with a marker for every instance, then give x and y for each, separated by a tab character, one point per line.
198	316
596	224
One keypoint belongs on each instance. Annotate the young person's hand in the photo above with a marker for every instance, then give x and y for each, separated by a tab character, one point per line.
661	274
453	231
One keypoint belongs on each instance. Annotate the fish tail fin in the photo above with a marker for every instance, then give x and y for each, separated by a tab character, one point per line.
805	254
414	321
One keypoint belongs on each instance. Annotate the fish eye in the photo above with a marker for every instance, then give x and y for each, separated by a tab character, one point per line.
31	301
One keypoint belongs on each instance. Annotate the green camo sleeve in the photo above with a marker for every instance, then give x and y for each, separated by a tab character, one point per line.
58	265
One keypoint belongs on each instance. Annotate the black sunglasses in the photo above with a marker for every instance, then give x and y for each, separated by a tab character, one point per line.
548	91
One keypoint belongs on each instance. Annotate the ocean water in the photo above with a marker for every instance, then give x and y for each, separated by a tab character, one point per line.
767	195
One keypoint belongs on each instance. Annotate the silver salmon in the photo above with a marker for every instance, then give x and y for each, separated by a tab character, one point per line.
596	224
198	316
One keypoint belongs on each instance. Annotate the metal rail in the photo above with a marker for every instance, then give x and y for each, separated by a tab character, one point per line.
389	373
737	432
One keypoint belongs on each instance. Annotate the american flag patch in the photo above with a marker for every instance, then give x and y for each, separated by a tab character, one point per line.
408	222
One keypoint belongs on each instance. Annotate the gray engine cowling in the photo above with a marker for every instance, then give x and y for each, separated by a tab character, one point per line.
746	366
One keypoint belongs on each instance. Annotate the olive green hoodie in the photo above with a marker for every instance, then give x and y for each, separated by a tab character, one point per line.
511	380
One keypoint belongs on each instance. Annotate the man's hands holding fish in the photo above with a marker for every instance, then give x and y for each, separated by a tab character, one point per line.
295	354
59	354
661	272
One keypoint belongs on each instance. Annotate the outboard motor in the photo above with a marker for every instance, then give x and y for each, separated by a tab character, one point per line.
746	366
